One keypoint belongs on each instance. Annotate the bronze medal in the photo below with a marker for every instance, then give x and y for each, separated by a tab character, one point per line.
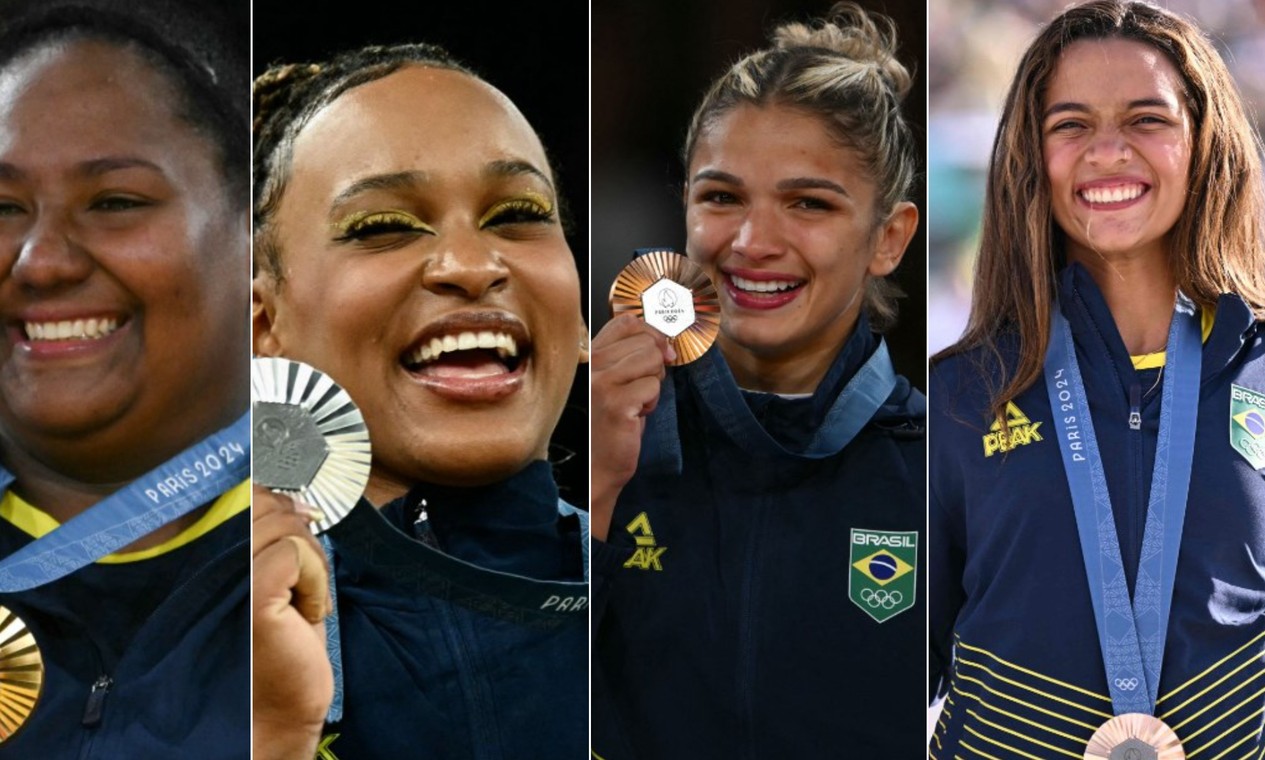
674	296
308	438
1134	736
21	673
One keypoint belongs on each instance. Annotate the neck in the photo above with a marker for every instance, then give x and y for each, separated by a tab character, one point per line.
798	372
1140	293
384	488
63	497
65	479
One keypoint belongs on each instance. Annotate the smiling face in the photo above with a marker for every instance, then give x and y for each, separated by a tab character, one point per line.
122	265
784	220
425	269
1117	142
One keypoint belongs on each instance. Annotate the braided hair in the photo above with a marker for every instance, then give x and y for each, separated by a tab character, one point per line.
287	96
199	49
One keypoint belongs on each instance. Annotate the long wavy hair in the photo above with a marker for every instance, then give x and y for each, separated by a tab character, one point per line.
1216	245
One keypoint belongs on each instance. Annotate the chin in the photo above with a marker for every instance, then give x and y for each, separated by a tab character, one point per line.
472	463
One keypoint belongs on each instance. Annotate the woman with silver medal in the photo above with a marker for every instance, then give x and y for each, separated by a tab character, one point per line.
758	509
411	246
1097	499
124	445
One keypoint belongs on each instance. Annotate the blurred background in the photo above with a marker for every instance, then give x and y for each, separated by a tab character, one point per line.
537	54
652	62
973	50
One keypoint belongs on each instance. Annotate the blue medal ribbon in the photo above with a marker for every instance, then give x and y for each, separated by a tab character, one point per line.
850	412
1131	635
194	477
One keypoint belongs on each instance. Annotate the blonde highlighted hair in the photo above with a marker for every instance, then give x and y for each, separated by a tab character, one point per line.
843	69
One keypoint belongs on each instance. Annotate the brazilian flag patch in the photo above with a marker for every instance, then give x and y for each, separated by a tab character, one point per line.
881	580
1247	424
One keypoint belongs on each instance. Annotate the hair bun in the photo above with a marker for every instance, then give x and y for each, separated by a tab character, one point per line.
849	32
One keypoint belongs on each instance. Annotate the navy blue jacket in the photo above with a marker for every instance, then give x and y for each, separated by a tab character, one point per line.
731	634
466	636
171	635
1008	585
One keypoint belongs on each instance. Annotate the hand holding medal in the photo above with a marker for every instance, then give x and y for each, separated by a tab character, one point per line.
674	296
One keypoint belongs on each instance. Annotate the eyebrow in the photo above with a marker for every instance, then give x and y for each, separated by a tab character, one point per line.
99	166
10	173
795	183
1071	106
408	180
94	168
515	168
393	181
812	183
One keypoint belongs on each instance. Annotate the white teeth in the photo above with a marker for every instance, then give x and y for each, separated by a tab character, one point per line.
1114	194
504	344
79	329
763	286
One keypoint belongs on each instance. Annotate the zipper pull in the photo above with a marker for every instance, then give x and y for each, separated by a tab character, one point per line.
421	527
1135	407
96	701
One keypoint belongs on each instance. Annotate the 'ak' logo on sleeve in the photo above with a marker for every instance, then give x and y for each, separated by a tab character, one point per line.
649	554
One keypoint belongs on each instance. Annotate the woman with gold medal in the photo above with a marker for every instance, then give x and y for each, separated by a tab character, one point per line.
1097	586
124	448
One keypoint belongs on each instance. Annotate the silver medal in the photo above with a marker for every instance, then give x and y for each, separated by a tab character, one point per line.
308	438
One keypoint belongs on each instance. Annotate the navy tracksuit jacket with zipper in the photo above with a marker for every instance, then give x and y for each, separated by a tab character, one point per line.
145	659
1014	642
722	619
464	636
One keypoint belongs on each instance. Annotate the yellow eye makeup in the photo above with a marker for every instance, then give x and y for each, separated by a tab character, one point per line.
527	207
363	224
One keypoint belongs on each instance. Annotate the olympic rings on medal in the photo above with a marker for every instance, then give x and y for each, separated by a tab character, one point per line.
1127	684
881	598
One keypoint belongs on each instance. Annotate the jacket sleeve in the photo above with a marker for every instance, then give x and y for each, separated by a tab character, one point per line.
608	561
946	536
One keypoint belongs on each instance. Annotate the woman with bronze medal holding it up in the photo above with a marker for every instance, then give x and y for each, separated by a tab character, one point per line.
758	511
1098	448
124	258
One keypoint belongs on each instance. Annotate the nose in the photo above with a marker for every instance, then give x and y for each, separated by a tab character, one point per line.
758	235
1108	147
466	265
48	256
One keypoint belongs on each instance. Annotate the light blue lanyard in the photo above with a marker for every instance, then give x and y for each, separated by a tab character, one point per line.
1131	635
192	478
850	412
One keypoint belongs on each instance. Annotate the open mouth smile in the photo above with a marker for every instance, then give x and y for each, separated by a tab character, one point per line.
476	356
762	290
1112	196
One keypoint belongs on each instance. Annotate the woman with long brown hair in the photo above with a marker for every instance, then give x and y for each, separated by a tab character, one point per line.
1097	500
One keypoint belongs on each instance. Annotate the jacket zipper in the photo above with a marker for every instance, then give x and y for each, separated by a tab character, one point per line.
96	701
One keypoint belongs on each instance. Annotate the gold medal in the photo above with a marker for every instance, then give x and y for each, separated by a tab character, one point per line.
674	296
21	673
1134	736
